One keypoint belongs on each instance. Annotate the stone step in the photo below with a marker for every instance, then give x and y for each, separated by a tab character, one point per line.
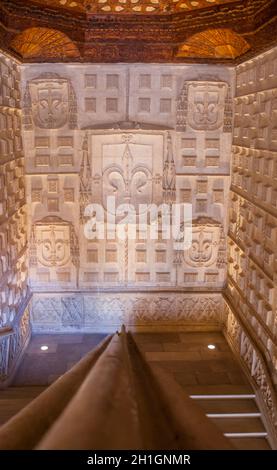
237	415
228	389
239	425
228	405
248	443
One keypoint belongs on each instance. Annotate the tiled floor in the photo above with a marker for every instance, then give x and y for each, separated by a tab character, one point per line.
187	357
44	367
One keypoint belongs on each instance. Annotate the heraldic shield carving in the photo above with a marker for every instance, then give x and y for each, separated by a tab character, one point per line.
50	103
204	105
206	102
53	242
208	244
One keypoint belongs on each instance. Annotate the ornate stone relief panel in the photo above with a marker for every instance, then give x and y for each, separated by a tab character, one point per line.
129	167
50	103
206	239
204	123
54	244
125	141
108	311
205	105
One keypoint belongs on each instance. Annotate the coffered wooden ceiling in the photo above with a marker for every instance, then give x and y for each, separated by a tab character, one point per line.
134	6
225	31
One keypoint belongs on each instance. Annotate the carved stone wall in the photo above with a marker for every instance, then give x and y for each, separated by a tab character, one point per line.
13	223
143	134
253	201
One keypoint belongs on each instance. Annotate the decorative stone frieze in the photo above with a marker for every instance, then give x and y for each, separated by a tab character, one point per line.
105	311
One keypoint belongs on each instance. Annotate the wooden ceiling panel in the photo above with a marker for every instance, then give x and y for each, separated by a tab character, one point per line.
134	6
34	43
214	43
213	31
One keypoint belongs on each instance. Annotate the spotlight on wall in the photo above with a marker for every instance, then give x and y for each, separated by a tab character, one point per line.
211	346
44	348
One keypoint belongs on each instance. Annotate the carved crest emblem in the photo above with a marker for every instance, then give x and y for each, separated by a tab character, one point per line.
54	242
205	104
206	101
206	244
53	245
50	102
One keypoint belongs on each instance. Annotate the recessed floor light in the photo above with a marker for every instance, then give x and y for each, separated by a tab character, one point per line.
44	348
211	346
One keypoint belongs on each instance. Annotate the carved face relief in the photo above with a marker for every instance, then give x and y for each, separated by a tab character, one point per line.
53	245
50	102
204	247
206	101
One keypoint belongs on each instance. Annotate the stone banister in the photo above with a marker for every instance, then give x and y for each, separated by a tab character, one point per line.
24	430
113	399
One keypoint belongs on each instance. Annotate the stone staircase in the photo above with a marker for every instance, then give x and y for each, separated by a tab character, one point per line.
214	379
233	410
236	414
